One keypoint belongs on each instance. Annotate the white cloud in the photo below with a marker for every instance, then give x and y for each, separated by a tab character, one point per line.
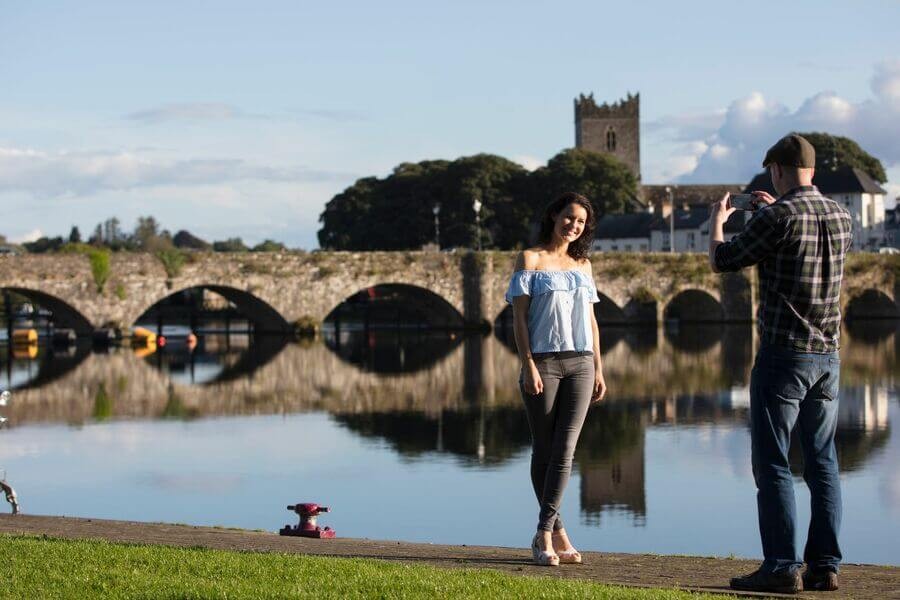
31	236
81	173
529	162
196	111
689	126
734	141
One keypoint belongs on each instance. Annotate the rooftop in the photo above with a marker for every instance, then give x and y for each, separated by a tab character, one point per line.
844	180
633	225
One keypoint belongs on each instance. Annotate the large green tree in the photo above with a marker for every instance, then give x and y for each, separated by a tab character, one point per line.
839	151
397	212
604	179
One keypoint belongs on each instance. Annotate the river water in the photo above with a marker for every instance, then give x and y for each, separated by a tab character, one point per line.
421	436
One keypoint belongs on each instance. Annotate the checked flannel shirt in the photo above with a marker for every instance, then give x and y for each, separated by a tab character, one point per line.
799	244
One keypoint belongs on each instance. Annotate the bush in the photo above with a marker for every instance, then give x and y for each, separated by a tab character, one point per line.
172	261
99	267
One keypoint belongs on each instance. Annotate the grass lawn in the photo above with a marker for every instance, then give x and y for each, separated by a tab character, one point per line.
34	567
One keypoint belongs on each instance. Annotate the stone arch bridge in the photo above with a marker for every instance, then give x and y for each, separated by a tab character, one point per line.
277	290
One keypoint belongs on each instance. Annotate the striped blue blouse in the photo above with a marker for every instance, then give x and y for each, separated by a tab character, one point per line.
559	317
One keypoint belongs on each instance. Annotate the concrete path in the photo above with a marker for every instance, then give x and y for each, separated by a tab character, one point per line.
860	582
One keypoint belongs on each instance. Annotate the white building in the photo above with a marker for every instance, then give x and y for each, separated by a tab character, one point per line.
856	191
624	233
649	229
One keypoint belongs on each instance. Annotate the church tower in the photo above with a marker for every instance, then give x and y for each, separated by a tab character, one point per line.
610	128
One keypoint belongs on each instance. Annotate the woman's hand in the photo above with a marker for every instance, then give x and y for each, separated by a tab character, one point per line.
533	383
599	386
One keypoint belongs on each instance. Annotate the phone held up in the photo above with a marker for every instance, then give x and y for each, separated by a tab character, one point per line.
743	201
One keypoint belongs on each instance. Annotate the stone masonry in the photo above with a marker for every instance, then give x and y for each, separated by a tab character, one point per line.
279	289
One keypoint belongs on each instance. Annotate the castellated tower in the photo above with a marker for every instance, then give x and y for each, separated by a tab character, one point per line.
610	128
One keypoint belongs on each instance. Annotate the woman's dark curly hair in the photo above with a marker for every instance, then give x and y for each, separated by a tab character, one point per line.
580	248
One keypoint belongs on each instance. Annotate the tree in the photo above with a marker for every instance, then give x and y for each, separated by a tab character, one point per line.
146	231
97	237
74	235
111	232
605	180
396	212
230	245
44	244
185	239
834	151
269	246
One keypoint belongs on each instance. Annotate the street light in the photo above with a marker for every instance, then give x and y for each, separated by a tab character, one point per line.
437	225
669	191
476	205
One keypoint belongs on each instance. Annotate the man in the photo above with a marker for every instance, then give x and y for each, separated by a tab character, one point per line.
799	242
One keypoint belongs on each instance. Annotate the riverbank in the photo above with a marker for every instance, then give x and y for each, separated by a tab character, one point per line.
633	571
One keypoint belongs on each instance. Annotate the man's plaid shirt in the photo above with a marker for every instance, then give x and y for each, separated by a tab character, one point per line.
799	243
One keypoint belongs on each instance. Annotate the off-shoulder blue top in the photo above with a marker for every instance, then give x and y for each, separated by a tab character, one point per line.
559	317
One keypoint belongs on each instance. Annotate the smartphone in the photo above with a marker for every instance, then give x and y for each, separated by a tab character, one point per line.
743	201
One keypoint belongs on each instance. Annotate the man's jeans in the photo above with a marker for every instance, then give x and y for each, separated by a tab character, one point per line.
789	388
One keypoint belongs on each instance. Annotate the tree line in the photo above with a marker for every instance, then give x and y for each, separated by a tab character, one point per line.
147	236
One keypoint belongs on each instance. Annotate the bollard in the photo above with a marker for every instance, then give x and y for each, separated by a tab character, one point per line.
307	526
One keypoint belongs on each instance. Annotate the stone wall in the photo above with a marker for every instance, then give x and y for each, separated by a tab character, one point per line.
282	288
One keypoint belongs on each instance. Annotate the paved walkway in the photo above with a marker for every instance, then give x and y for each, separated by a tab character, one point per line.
860	582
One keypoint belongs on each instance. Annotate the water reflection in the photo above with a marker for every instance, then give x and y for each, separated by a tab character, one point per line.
37	365
217	357
391	351
678	406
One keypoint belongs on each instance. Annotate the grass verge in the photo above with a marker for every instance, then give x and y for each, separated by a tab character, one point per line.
51	568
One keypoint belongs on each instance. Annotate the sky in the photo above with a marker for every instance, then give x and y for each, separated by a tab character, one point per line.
243	119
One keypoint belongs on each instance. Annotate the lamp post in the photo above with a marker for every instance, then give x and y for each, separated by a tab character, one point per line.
669	191
476	205
437	225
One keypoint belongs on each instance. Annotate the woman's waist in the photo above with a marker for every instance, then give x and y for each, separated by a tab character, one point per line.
561	354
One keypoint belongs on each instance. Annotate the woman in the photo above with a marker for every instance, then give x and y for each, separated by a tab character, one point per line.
552	292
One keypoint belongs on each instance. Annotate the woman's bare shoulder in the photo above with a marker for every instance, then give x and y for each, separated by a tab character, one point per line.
584	265
528	259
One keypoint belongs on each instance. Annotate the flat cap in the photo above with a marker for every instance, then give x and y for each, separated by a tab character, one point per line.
791	151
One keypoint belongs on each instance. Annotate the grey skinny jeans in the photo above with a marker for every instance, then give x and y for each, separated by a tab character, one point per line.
555	417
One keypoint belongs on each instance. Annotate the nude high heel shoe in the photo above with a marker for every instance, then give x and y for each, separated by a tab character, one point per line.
543	558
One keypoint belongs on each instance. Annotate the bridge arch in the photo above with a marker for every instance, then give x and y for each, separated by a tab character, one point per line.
694	306
397	305
265	318
64	314
608	312
871	304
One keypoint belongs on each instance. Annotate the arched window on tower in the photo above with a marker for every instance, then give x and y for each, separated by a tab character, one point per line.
611	140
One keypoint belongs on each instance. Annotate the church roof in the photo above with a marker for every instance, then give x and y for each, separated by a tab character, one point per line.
844	180
632	225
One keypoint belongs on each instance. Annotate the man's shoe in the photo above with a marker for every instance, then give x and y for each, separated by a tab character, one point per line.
781	583
821	581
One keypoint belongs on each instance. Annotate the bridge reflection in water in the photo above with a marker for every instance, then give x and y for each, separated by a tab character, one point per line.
427	395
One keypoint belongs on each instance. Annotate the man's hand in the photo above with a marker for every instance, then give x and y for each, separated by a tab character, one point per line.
763	198
722	209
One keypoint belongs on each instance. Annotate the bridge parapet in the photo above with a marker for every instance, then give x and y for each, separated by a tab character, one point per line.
284	287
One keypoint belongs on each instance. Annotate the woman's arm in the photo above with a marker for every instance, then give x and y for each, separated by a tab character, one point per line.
520	306
599	381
